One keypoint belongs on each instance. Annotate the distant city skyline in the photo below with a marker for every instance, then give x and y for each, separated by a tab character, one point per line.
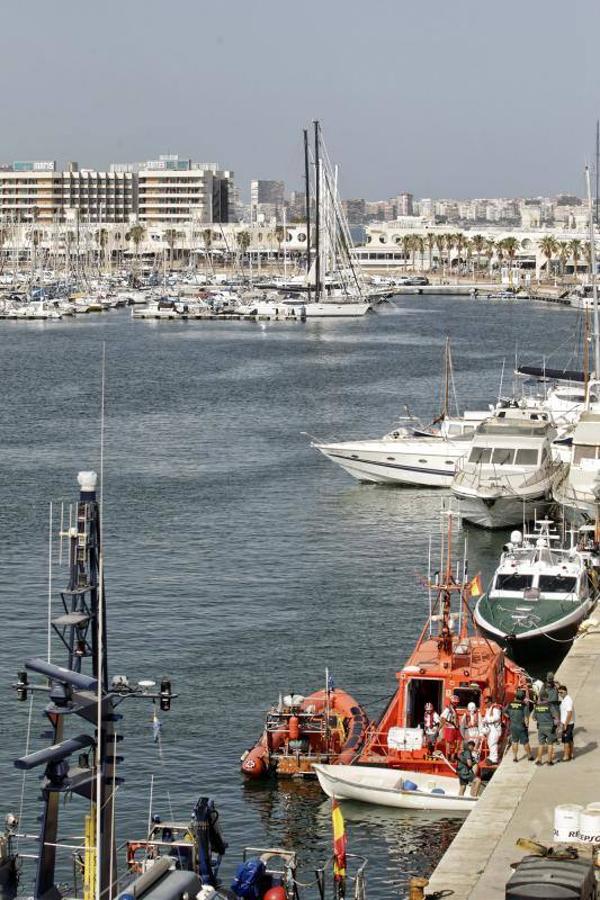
441	99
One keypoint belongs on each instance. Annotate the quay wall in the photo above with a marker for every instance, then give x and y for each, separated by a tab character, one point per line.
520	799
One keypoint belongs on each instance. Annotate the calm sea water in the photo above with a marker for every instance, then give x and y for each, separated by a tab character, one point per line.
238	560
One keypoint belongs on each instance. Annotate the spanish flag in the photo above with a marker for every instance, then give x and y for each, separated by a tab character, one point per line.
340	841
475	586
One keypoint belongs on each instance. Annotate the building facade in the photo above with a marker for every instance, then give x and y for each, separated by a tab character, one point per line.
167	190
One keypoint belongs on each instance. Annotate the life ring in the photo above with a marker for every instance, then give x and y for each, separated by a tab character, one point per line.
133	864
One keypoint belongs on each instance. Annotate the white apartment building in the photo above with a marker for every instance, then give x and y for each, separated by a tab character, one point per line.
175	191
166	191
36	192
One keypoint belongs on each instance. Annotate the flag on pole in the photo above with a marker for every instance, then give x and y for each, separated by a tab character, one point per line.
475	586
340	841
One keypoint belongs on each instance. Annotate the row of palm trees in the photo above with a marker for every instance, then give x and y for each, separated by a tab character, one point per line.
456	249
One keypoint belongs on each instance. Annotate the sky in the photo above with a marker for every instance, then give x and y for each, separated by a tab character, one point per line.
443	98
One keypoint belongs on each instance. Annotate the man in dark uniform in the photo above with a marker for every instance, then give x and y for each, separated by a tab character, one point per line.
518	715
466	769
543	713
552	695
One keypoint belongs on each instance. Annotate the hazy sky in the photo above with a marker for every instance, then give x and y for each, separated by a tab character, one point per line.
441	98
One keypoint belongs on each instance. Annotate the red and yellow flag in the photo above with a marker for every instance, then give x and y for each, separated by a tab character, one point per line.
340	841
475	586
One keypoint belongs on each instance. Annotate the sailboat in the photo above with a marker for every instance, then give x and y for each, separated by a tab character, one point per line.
334	285
399	765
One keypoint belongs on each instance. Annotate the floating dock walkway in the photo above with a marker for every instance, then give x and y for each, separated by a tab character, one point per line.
519	801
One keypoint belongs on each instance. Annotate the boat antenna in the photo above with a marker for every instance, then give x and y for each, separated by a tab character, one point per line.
593	277
100	675
50	525
501	379
429	585
307	203
597	171
317	212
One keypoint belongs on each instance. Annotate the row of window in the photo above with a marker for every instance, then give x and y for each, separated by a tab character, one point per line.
547	584
506	456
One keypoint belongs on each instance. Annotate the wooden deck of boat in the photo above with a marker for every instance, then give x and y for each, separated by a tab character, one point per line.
519	801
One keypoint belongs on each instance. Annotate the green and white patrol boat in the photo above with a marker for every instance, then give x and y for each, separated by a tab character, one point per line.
541	591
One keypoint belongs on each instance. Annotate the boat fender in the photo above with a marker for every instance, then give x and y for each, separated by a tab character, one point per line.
438	791
294	728
276	893
408	785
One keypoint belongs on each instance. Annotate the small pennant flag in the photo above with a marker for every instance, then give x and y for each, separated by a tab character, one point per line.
340	840
475	586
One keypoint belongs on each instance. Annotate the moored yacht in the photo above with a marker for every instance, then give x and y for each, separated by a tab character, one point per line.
541	591
507	477
577	484
407	455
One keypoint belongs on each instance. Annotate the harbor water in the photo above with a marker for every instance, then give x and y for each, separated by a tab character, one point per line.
238	560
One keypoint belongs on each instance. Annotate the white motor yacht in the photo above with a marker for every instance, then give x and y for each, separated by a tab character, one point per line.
577	484
407	455
507	477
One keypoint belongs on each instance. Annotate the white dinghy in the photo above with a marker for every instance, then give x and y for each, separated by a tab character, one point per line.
393	787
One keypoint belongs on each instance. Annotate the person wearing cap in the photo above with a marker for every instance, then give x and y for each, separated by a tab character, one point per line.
493	728
567	722
552	695
449	721
470	723
544	715
467	770
517	712
431	726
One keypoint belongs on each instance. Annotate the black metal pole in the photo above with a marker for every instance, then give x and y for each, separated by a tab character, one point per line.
307	203
317	213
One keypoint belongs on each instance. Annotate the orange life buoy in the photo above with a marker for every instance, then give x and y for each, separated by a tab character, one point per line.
294	728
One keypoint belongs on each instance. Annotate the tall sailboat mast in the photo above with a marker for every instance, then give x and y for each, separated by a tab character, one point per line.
307	202
317	212
593	276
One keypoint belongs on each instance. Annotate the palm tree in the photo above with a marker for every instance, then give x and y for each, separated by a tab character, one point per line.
575	248
279	237
430	240
449	241
419	245
548	248
563	255
170	236
243	241
406	247
136	234
459	243
3	237
440	243
478	245
102	240
510	245
490	249
207	237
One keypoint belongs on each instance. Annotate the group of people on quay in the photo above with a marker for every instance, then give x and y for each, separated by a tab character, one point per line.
461	737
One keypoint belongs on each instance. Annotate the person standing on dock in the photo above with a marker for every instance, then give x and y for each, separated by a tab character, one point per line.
544	715
567	722
467	770
517	712
552	695
492	727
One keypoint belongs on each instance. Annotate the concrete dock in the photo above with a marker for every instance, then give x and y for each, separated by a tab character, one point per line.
519	801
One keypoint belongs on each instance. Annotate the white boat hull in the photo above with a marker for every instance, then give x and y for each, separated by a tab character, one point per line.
333	310
425	466
381	786
501	511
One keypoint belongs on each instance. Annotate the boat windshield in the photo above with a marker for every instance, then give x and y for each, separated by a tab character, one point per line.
512	581
512	430
557	584
480	455
585	453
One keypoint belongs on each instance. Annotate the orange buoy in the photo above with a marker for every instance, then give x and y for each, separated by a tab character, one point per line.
276	893
294	728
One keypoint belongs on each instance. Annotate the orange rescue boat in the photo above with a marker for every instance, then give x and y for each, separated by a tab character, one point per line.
328	726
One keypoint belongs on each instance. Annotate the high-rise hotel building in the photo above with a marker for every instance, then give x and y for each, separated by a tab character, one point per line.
164	191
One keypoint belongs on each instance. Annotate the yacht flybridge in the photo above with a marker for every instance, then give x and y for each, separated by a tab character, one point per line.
541	591
507	476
